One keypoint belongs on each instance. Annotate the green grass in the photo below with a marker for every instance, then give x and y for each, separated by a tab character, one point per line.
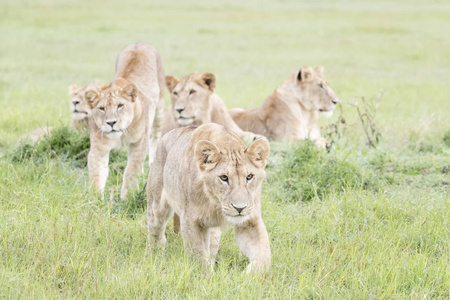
354	223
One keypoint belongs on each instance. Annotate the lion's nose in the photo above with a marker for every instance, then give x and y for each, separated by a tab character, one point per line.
111	123
238	208
75	102
179	110
336	100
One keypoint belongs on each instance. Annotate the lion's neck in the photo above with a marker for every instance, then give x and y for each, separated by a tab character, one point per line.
288	92
285	101
138	113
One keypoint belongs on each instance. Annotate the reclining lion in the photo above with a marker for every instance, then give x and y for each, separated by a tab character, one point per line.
291	112
209	177
80	112
126	112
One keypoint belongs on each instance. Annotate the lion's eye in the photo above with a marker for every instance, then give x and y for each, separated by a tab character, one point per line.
249	177
102	109
119	106
191	92
175	93
223	177
321	85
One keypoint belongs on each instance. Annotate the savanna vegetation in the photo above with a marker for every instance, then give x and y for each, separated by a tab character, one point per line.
357	222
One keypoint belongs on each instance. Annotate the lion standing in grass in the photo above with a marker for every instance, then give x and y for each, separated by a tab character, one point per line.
193	102
127	112
291	112
209	177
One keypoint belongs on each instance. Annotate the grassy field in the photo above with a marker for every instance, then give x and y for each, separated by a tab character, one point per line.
354	223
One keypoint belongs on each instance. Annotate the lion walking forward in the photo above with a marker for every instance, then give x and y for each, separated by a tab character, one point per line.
209	177
127	112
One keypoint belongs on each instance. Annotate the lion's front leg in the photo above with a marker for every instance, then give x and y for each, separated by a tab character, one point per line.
214	241
98	159
158	213
319	141
250	136
253	240
136	158
156	127
196	239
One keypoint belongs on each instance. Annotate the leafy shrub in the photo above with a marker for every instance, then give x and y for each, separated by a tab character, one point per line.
446	138
306	172
63	143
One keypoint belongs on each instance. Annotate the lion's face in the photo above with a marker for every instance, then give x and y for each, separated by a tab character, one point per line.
190	98
314	92
78	105
233	177
113	107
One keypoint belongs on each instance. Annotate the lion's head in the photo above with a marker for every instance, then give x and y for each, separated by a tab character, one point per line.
78	106
190	97
313	91
113	106
232	173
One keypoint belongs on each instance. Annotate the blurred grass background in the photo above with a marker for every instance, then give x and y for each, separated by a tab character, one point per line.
399	47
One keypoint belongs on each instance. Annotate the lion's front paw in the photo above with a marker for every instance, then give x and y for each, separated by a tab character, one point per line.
257	266
259	137
157	242
322	143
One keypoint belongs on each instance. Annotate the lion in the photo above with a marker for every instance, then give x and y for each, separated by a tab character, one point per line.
193	102
78	105
127	112
291	112
210	178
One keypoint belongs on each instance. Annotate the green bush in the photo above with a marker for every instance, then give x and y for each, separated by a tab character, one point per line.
305	172
63	143
446	138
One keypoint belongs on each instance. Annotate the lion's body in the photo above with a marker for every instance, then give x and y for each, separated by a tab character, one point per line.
127	112
187	178
200	107
291	112
36	135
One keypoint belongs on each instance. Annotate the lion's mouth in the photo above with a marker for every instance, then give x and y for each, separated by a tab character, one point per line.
76	111
114	133
327	113
184	121
79	115
237	219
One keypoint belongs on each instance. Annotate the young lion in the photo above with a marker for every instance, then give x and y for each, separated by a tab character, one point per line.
79	107
209	177
126	112
193	102
291	112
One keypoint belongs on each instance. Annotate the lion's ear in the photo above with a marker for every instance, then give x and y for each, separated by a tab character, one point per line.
130	92
305	74
72	88
91	97
207	155
208	80
258	152
171	82
319	69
